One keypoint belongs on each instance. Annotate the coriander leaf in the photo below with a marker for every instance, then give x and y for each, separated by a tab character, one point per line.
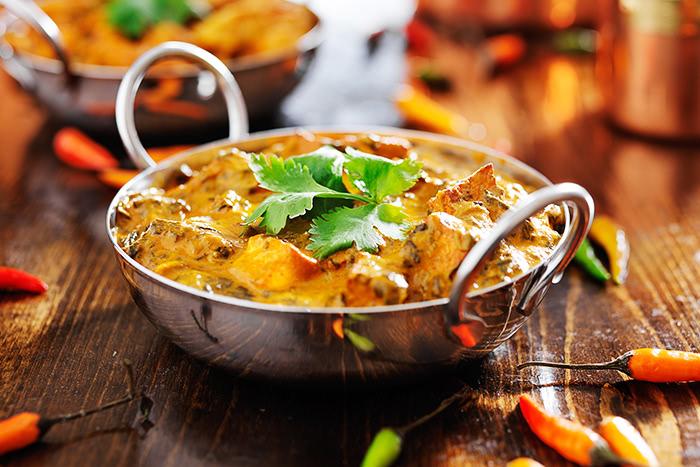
278	207
282	175
133	17
130	17
176	11
326	167
392	221
380	177
295	187
341	228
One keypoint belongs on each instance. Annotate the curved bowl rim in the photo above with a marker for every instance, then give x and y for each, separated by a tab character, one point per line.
287	131
307	42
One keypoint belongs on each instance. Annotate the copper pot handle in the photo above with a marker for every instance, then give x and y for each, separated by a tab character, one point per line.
126	96
572	195
30	13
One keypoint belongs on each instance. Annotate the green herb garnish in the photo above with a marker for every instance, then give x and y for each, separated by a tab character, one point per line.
312	185
133	17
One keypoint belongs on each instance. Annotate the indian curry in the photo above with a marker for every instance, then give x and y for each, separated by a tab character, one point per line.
189	228
229	29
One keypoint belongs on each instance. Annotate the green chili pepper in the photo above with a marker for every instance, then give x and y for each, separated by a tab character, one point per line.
360	342
575	41
384	450
359	317
585	256
435	80
386	445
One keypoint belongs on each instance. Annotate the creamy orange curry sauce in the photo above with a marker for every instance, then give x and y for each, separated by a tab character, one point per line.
189	229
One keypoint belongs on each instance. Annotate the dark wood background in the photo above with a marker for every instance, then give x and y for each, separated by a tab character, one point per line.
61	351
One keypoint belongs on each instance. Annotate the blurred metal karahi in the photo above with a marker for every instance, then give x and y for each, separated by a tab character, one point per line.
84	94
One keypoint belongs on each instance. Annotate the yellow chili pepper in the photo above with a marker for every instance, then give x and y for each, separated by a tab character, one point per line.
524	462
626	441
613	239
421	110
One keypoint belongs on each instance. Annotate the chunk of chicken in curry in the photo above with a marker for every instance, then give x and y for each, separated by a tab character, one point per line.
190	230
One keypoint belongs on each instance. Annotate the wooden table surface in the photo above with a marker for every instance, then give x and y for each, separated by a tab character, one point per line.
61	351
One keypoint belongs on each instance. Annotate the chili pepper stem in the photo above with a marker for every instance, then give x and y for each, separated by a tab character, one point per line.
620	364
45	423
459	395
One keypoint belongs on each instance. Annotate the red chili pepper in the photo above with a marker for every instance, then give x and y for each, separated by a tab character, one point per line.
27	428
15	279
572	440
653	365
419	36
78	150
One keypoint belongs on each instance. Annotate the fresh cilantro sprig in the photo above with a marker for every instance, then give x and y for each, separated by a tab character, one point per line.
312	185
295	189
341	228
379	177
132	18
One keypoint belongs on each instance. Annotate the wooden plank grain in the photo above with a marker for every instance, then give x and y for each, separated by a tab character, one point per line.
61	351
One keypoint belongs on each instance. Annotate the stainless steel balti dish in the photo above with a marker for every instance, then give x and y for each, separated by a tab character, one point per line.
297	344
84	94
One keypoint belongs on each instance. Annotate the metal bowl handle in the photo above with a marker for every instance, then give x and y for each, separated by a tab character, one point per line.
30	13
126	96
569	193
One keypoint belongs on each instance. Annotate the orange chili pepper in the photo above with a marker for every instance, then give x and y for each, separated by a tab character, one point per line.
504	50
464	334
27	428
162	153
165	89
184	109
626	441
418	108
19	431
338	327
653	365
524	462
116	178
16	279
78	150
572	440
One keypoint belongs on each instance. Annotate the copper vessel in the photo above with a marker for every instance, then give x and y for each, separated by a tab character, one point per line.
649	66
